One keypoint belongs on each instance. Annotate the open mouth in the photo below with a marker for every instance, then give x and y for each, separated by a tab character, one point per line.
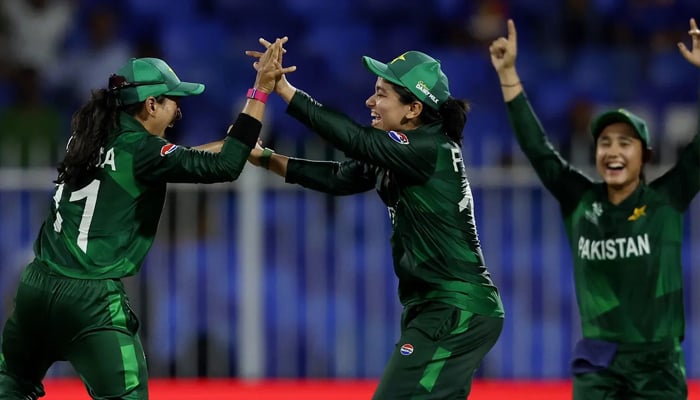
614	166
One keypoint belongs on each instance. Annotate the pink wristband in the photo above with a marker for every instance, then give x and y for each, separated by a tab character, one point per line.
255	94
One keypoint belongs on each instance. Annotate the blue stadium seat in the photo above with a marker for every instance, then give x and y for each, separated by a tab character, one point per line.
467	71
669	74
592	72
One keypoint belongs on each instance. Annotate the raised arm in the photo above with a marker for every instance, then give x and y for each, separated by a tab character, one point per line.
160	161
503	53
682	182
409	152
565	183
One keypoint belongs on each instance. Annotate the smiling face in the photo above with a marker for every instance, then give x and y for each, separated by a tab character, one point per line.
619	157
388	112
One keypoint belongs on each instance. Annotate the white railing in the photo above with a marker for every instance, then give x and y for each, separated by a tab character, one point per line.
262	279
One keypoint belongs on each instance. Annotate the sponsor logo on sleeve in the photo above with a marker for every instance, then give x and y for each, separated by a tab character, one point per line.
406	349
398	137
167	149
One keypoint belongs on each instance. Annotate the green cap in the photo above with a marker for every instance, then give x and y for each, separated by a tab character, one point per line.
416	71
141	78
621	115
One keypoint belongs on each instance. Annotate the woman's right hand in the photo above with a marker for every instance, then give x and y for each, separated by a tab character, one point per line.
269	66
504	50
692	55
282	87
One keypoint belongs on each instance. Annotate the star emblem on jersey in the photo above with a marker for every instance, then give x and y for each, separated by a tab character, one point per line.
406	349
398	137
638	213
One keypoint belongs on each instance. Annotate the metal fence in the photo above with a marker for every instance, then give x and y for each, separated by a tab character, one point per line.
262	279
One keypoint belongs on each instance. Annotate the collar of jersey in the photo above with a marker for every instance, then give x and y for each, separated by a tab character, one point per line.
627	203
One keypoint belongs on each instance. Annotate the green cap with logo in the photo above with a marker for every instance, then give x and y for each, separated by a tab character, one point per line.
141	78
621	115
416	71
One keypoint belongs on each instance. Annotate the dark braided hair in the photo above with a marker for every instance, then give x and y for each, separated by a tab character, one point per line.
452	112
91	125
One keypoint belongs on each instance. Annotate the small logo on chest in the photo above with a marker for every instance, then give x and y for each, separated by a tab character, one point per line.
595	212
406	349
638	213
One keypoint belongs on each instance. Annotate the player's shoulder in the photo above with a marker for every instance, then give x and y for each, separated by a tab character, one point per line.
654	192
135	139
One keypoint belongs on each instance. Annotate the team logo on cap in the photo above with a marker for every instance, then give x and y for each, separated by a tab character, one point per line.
398	137
167	149
406	349
401	57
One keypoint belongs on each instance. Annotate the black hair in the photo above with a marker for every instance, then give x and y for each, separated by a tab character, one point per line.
452	112
92	126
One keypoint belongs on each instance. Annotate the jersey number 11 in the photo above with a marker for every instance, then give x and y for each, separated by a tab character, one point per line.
89	193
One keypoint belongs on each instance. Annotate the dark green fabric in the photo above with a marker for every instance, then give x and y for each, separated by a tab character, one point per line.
627	257
643	372
105	228
447	344
421	177
86	322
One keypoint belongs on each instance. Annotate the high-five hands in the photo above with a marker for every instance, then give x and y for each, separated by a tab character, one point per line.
693	56
282	87
258	55
269	65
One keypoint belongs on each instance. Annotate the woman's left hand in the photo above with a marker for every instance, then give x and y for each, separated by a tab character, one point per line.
282	86
269	66
693	55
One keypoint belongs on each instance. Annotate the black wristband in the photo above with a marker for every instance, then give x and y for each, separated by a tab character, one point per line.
246	129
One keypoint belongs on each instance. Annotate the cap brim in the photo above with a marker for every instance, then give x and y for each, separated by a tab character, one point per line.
186	89
381	70
610	118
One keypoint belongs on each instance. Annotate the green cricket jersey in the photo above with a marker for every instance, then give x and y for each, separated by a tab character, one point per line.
105	228
627	258
420	176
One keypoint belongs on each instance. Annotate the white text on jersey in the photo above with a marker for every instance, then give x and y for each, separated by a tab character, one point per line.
613	249
109	159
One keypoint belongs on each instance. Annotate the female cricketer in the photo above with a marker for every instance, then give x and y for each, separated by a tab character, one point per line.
70	303
625	235
411	154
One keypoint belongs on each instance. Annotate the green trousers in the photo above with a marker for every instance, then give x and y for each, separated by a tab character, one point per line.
86	322
440	348
648	371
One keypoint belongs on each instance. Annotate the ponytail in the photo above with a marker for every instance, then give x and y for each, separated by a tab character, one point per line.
92	126
454	118
452	113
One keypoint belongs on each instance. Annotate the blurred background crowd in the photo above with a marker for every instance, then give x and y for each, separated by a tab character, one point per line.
327	303
575	56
